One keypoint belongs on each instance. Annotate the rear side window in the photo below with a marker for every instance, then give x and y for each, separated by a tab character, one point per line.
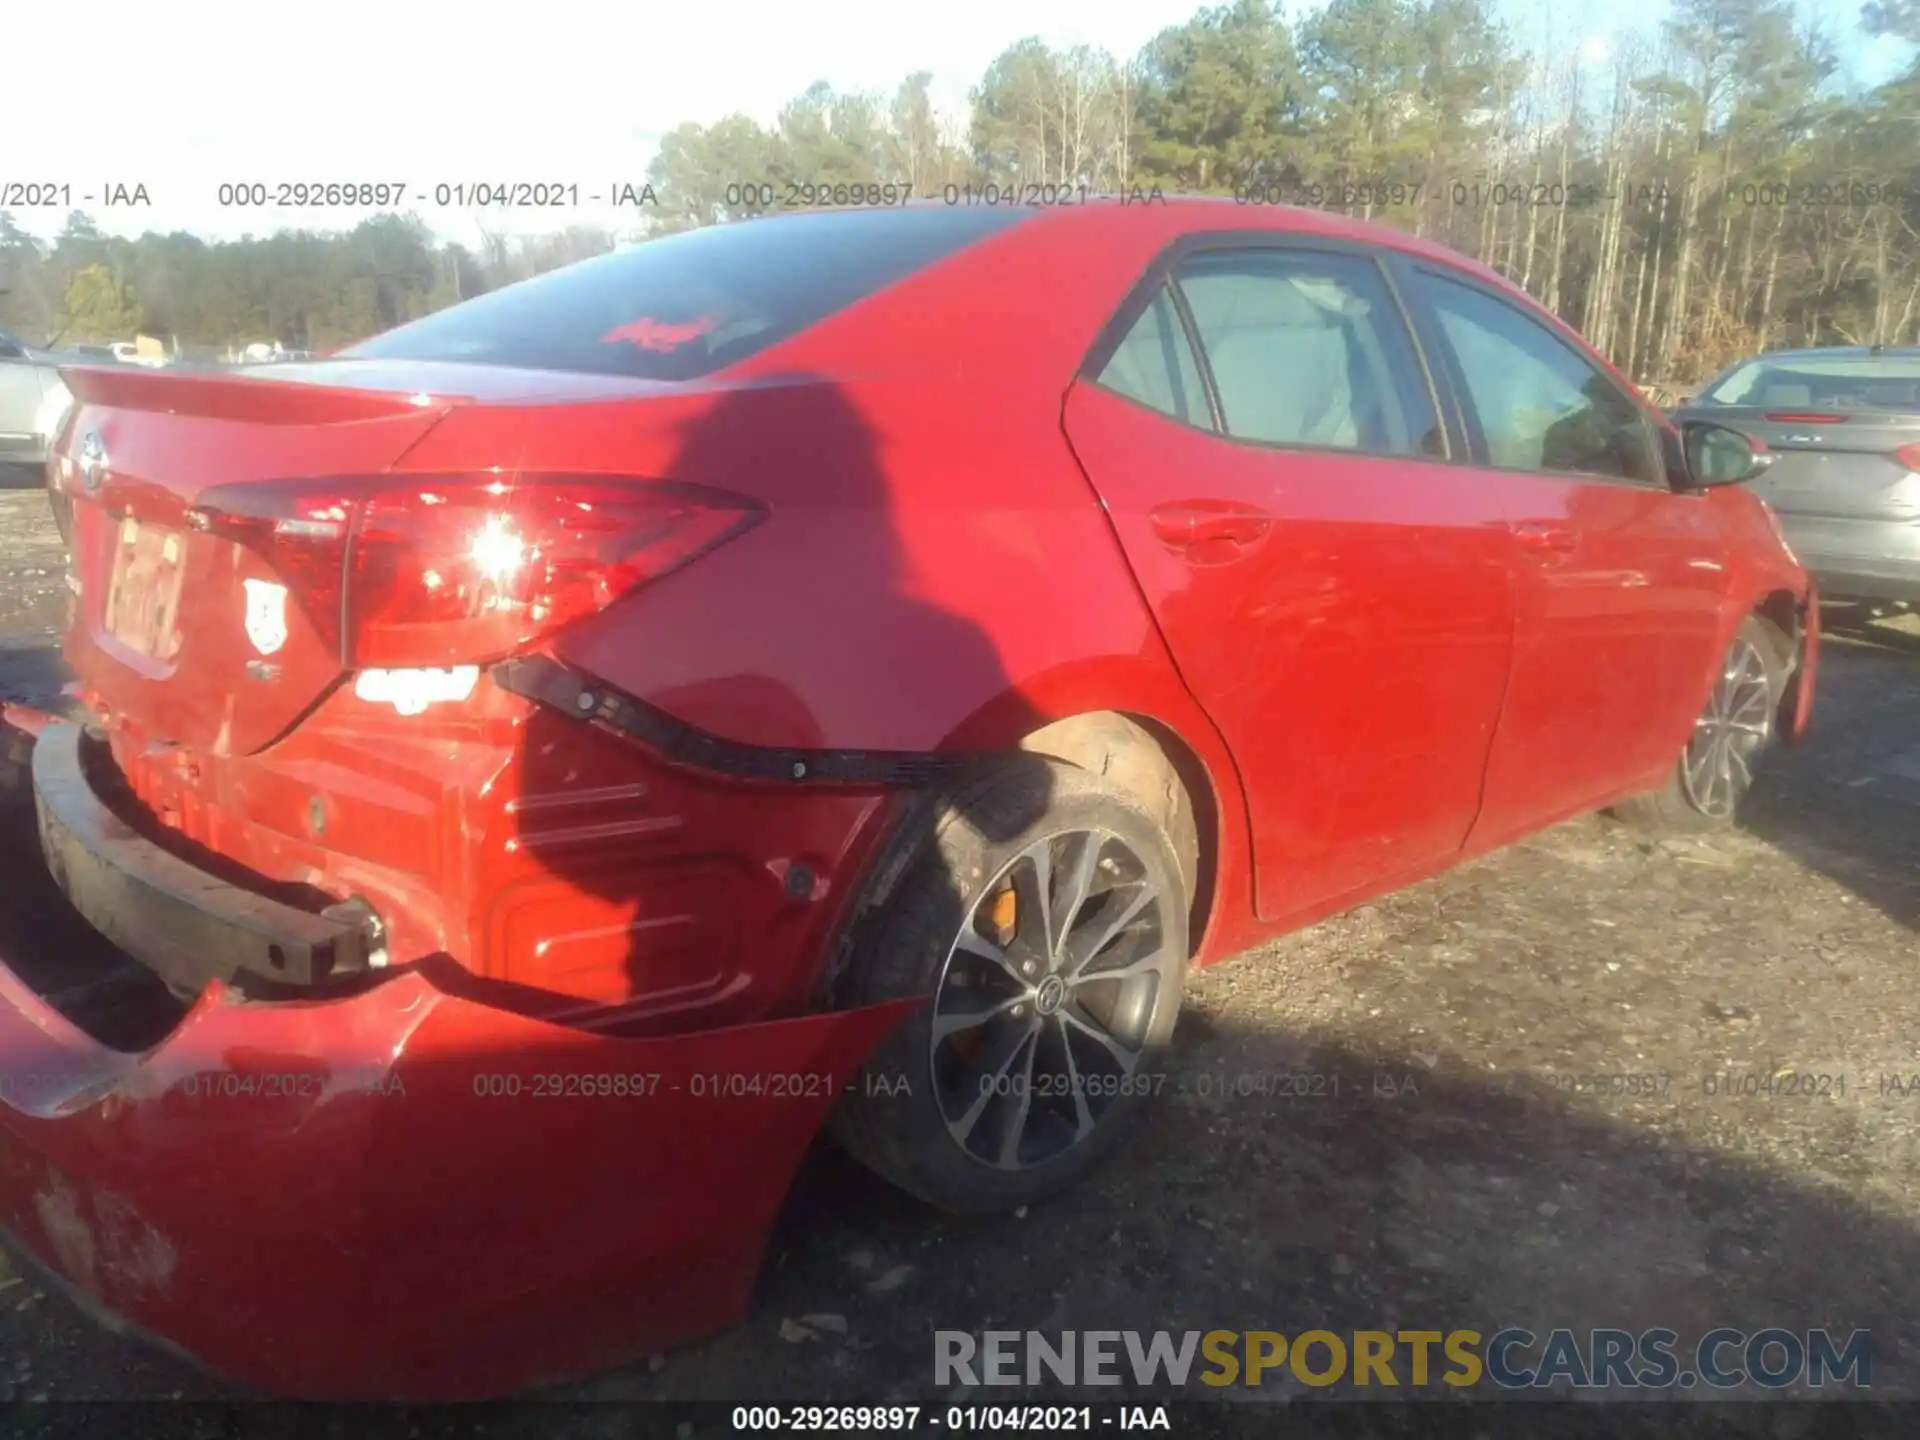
687	305
1309	349
1155	366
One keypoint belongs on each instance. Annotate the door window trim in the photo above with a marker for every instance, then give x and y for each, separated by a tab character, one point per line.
1161	272
1190	329
1478	449
1183	318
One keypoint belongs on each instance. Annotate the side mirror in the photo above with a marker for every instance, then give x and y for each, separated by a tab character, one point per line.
1717	455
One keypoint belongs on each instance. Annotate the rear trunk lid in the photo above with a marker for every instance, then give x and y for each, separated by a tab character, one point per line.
188	634
1835	464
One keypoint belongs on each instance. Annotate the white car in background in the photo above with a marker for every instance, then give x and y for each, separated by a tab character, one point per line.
128	353
33	401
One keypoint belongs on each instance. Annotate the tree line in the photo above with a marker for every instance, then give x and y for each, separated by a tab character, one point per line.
303	289
1705	190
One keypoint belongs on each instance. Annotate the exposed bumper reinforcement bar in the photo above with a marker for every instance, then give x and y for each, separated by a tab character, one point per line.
186	925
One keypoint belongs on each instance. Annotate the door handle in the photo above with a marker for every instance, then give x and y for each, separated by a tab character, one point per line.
1545	536
1212	525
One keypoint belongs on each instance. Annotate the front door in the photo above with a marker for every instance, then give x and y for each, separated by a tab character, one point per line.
1620	577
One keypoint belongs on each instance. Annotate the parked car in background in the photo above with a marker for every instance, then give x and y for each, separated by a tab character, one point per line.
841	667
32	401
1844	426
146	352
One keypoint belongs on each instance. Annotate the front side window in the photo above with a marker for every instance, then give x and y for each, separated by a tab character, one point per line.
1308	349
1541	406
1155	366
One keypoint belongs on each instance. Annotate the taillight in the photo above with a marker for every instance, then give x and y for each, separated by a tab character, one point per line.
1909	455
437	571
300	530
446	571
1806	417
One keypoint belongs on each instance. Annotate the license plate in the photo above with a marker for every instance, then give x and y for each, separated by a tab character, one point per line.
143	596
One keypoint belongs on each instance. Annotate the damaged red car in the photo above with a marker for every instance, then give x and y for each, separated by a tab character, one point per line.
531	772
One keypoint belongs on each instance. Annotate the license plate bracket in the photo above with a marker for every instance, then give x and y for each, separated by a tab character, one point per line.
143	594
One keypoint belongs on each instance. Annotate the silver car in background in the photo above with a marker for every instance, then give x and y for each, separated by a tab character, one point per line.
32	401
1844	424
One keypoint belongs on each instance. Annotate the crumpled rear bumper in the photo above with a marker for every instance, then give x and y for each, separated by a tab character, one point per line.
407	1193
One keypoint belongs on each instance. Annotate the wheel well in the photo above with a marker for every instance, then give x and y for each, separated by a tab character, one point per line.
1154	764
1782	611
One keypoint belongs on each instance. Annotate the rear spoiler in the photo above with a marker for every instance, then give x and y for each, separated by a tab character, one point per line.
220	395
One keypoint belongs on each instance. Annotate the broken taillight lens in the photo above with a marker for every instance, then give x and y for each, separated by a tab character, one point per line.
438	571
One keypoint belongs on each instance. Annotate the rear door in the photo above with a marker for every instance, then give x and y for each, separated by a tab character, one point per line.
1336	594
1621	579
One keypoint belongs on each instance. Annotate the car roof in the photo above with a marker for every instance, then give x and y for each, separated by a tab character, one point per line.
1839	352
1127	232
1202	214
1195	210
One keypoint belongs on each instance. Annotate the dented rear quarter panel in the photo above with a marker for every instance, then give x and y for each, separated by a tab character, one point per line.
536	850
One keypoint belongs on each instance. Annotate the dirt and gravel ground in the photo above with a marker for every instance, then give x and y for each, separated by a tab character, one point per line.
1479	1166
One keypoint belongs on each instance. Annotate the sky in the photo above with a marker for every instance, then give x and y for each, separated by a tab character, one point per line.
188	95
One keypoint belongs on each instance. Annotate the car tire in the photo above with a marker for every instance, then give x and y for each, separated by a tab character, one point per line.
1002	1111
1710	781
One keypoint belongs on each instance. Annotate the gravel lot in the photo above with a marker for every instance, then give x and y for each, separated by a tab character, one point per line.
1469	1171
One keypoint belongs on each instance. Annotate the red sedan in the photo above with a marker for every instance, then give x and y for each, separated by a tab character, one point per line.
544	763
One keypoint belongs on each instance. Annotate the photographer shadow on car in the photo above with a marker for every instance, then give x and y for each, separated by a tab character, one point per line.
808	792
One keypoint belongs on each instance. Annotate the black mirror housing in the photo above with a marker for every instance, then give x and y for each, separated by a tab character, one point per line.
1721	455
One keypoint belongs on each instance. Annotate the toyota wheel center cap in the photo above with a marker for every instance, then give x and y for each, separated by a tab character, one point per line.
1047	998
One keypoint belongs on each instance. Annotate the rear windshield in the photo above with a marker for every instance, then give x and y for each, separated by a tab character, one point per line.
689	304
1874	382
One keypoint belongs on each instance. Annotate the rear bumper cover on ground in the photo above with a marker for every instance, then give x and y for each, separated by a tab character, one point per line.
1796	705
407	1193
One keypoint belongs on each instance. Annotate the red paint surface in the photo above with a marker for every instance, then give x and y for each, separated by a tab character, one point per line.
1808	679
1377	666
25	718
404	1195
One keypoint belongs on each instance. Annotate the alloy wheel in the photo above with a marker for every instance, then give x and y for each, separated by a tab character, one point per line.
1048	997
1718	766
